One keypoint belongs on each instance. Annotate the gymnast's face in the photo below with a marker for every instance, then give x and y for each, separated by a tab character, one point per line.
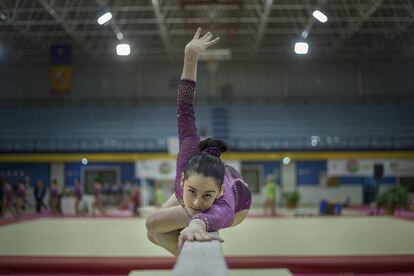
199	192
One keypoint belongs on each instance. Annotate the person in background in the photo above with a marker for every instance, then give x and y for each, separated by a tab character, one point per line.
39	194
54	198
62	193
97	203
1	197
119	193
21	198
270	201
78	196
136	200
159	196
127	187
7	198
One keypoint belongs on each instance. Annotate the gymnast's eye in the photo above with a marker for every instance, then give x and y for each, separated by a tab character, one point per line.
208	196
192	192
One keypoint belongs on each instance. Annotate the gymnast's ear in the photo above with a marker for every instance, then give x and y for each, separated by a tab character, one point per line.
221	192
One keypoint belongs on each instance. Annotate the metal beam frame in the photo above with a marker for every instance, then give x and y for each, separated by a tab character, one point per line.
60	19
264	15
161	25
356	25
256	24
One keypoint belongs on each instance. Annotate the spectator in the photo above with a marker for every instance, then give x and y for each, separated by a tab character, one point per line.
136	199
270	201
7	198
39	194
21	198
78	196
54	198
1	197
159	196
97	204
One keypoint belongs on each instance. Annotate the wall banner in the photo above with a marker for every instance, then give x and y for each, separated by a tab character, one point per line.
365	168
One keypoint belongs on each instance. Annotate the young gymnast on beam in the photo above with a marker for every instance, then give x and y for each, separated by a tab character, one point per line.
208	194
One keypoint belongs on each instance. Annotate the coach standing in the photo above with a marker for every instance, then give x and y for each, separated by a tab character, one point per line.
39	194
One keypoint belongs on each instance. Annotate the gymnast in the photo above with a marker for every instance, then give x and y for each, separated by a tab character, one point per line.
208	194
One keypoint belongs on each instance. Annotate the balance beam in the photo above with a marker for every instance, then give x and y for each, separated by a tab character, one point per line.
201	258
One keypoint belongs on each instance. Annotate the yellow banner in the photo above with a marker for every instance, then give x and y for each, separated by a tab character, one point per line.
60	78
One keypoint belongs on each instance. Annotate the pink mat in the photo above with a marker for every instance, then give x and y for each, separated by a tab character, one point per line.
399	213
47	214
261	214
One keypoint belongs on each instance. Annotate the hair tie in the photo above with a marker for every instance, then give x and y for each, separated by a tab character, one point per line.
215	151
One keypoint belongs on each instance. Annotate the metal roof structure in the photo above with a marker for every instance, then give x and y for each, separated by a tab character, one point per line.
250	29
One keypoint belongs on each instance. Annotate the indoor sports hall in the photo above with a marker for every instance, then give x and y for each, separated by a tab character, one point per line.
207	137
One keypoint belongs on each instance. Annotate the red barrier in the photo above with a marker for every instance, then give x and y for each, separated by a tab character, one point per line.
122	265
327	264
84	265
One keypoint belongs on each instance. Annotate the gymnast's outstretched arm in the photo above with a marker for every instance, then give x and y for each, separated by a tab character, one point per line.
193	50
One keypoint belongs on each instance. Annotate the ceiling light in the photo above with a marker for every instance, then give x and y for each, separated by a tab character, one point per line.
301	48
104	18
119	35
123	49
3	16
286	160
304	34
320	16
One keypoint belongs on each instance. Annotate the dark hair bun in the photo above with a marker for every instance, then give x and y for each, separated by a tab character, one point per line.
211	142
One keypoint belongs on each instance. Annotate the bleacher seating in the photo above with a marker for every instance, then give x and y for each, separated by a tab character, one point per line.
248	127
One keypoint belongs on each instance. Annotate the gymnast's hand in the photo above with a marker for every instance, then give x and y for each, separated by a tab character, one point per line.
195	231
198	45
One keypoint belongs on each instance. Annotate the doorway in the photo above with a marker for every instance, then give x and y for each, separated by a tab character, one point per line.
107	176
253	177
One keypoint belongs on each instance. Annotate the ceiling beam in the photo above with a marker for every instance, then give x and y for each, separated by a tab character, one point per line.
262	25
394	33
161	26
85	45
143	8
200	20
186	32
356	25
15	46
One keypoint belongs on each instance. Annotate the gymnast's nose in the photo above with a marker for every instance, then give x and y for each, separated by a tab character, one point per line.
196	203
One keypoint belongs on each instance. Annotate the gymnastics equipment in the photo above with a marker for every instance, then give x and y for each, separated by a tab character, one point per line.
201	258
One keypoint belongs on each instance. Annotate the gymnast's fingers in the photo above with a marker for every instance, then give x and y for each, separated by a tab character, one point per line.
180	242
198	237
217	238
206	36
197	34
206	237
212	42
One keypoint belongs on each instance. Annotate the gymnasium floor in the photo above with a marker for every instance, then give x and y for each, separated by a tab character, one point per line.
117	245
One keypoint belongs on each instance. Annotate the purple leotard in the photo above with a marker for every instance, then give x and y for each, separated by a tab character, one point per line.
236	195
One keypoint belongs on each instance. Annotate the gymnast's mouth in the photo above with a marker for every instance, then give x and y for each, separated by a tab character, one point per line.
196	210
